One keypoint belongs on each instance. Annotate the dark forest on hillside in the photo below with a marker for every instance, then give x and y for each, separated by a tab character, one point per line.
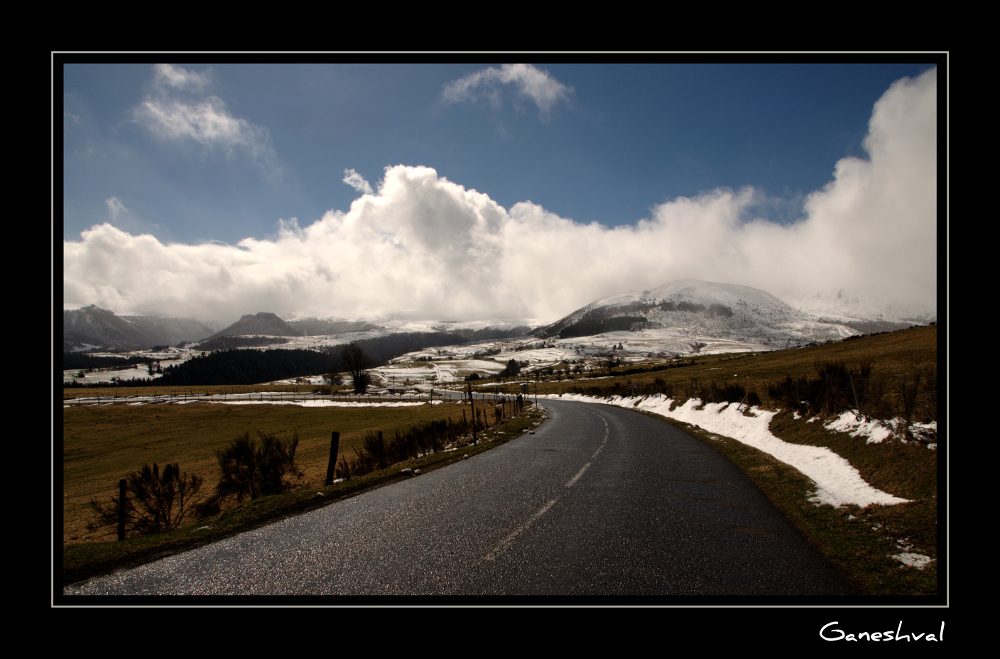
82	360
248	366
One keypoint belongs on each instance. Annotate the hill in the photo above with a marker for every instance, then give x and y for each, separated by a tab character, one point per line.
706	309
263	323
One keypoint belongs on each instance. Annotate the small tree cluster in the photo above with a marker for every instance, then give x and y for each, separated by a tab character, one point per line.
512	369
837	388
379	452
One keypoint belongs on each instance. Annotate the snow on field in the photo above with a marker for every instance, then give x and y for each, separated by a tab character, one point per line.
671	340
433	372
837	482
326	340
454	363
247	399
327	403
306	379
103	376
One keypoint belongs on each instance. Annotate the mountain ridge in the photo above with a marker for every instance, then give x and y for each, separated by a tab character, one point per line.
729	311
94	327
262	323
689	305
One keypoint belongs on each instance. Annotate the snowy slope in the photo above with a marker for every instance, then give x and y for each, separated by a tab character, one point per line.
844	306
705	309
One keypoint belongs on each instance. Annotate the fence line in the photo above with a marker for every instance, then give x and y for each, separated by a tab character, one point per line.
268	396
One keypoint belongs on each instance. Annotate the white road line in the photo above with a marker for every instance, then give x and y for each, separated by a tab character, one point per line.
518	531
607	430
578	474
521	529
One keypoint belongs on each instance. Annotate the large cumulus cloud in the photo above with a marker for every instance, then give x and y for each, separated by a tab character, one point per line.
418	244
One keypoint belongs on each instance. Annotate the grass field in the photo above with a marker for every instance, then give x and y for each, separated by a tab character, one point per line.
102	444
72	393
894	354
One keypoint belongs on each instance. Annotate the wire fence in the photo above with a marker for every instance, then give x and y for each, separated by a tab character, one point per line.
277	397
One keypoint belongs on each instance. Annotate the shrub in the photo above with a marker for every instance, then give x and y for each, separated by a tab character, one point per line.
371	455
254	469
154	502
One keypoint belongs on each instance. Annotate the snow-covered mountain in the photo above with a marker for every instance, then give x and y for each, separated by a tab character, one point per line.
705	309
263	323
91	326
320	326
860	312
687	310
173	330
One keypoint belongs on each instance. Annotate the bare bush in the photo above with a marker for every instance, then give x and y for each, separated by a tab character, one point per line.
252	469
154	502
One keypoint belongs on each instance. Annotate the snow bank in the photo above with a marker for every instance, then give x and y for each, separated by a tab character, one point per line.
873	430
837	482
877	431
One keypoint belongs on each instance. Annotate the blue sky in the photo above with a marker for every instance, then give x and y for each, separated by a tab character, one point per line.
249	156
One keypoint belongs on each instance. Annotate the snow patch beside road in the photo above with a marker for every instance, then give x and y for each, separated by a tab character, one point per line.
837	482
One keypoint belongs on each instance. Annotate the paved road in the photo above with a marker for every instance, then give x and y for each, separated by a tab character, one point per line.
600	501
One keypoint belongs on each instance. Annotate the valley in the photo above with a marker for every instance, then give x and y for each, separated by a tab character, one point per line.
681	319
686	374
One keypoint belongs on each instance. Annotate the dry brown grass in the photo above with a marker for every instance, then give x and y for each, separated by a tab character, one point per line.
102	444
907	470
72	393
894	354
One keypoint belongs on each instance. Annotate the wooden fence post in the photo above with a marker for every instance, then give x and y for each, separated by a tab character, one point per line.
332	464
473	406
381	451
121	510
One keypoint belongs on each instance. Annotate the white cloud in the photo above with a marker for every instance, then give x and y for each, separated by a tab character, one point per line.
165	74
424	246
526	80
177	109
356	181
115	207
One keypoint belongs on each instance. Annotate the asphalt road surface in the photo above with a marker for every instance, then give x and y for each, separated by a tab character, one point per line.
600	501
